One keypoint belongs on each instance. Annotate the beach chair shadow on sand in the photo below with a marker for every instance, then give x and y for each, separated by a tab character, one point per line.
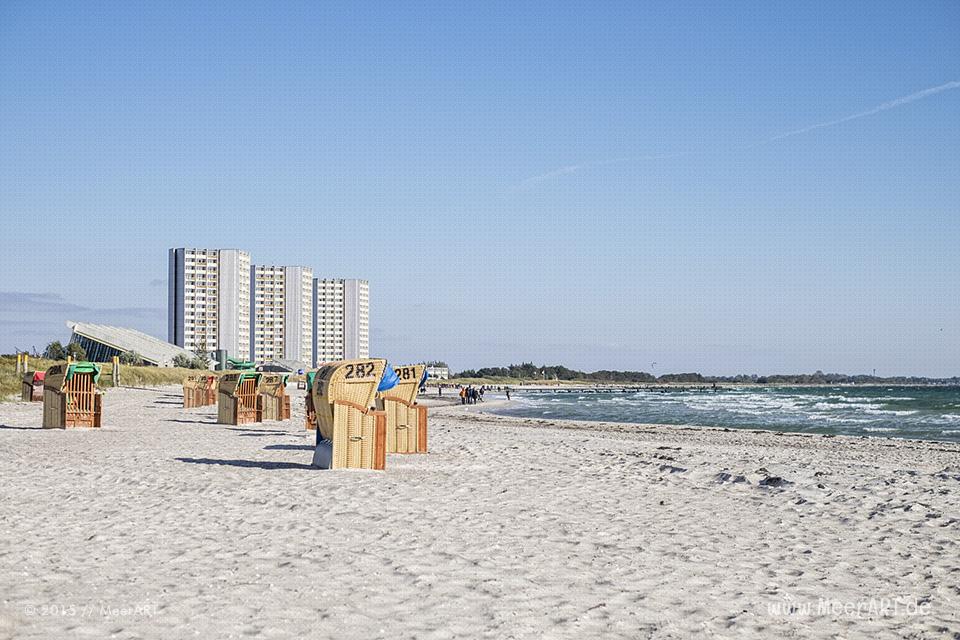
247	464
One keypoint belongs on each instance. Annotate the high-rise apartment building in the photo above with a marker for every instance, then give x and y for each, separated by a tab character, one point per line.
281	306
208	300
341	319
218	300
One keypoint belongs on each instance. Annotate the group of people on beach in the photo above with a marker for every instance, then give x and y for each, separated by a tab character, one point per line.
471	395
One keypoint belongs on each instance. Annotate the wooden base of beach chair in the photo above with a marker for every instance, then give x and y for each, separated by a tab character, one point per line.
380	440
421	429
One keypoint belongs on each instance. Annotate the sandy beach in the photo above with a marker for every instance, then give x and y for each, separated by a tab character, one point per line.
164	524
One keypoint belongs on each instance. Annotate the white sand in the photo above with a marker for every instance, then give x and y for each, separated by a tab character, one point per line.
163	524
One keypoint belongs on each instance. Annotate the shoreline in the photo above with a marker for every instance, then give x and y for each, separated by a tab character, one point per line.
574	386
935	432
613	426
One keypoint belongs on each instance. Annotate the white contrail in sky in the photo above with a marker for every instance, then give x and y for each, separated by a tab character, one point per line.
562	171
892	104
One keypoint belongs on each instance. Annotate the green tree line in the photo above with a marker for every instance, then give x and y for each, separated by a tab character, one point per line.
529	371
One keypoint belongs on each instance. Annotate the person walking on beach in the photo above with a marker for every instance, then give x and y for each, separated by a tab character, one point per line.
463	395
481	393
508	393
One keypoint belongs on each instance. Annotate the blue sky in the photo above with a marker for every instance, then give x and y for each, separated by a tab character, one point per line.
593	185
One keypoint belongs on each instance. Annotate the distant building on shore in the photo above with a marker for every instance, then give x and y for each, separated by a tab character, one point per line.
208	300
438	373
281	305
341	319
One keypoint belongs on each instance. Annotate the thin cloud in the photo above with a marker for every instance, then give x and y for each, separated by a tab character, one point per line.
24	303
886	106
33	302
133	312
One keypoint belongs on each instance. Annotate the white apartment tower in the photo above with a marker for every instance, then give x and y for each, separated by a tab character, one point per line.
208	300
341	320
281	302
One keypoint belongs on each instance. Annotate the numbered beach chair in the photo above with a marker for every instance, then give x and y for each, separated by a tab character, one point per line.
199	391
310	421
71	397
237	398
406	420
272	398
350	434
32	388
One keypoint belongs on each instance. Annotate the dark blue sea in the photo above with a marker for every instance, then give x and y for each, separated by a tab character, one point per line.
928	413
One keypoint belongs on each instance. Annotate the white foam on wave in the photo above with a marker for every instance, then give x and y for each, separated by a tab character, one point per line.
845	420
860	406
745	403
888	412
830	406
856	399
880	429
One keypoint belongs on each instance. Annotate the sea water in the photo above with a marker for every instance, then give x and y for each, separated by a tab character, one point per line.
928	413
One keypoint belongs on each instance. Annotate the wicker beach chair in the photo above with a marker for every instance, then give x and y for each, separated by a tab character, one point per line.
199	391
406	420
237	398
71	397
190	392
272	398
32	388
350	434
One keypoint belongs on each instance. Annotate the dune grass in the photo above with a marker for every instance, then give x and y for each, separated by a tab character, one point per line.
130	376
